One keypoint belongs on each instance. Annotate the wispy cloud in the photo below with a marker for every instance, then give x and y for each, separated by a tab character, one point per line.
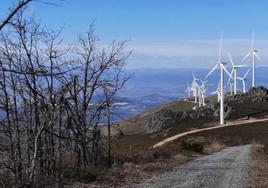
195	53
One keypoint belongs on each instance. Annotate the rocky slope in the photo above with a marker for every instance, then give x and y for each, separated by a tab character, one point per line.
171	114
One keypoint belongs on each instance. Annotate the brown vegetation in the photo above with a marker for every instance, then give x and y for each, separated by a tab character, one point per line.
259	167
135	165
213	146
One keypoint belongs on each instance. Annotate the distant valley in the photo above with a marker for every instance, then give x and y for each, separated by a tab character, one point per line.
150	88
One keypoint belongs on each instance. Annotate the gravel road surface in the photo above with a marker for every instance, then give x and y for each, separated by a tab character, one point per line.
228	168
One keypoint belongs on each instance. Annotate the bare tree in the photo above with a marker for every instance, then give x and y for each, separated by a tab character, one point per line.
20	5
53	99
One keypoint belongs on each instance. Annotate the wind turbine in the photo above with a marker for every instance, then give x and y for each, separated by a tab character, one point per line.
188	90
194	87
253	53
221	65
201	95
203	92
218	92
244	81
234	72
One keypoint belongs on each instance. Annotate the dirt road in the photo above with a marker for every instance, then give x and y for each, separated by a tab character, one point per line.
231	123
226	169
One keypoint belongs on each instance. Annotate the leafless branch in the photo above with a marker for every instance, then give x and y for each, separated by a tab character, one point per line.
20	5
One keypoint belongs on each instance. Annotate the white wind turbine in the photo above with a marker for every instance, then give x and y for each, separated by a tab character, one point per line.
199	96
194	87
253	53
234	73
203	92
188	90
203	96
220	65
244	79
218	92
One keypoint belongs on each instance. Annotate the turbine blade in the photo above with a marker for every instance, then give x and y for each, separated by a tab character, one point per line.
229	55
226	70
238	66
252	40
246	74
256	55
219	58
246	56
193	76
212	70
214	92
239	78
203	82
231	77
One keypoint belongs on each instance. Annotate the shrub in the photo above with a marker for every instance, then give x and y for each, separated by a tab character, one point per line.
213	146
195	144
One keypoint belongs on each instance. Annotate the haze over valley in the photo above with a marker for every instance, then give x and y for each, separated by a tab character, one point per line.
150	88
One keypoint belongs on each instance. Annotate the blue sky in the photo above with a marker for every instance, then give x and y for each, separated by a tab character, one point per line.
163	33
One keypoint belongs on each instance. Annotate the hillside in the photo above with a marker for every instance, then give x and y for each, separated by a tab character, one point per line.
135	125
145	129
133	139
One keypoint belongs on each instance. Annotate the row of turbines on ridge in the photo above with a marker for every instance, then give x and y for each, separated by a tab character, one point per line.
197	89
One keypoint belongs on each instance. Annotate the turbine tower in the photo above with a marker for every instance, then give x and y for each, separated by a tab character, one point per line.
253	53
199	96
203	92
194	87
234	73
221	65
231	88
244	81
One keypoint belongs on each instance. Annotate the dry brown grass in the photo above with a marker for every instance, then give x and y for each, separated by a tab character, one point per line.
129	174
136	165
259	167
213	146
